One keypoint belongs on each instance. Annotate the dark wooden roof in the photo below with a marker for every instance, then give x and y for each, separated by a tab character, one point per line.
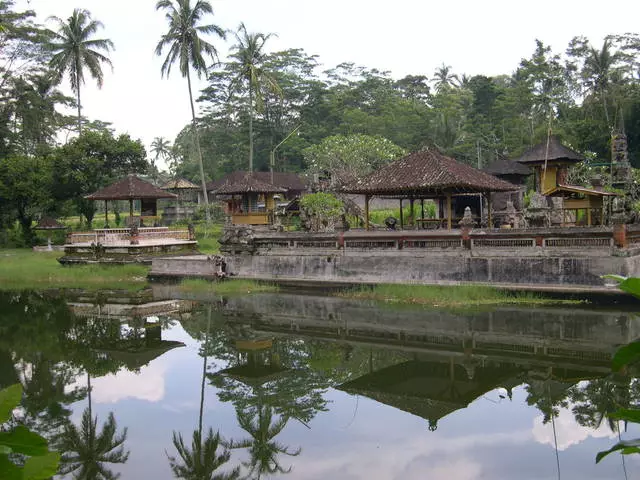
504	166
48	223
180	184
426	172
249	183
286	180
557	153
130	188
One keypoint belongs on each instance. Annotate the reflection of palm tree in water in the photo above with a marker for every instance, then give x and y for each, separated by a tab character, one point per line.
263	449
201	461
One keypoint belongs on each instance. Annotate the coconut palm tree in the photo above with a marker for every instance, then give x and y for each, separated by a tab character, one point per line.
443	78
75	50
201	461
263	449
248	58
598	73
188	49
87	451
161	147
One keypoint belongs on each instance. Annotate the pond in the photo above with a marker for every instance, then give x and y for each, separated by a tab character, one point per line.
317	387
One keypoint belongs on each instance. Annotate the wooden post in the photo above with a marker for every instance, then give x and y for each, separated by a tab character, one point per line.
489	216
130	210
602	213
449	212
589	215
106	214
366	211
401	217
412	213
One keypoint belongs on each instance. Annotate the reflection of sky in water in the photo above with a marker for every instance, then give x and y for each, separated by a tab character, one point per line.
358	438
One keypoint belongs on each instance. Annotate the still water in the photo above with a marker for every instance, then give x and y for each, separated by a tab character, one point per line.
317	388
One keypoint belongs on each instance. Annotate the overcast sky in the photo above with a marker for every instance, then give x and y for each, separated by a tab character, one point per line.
402	36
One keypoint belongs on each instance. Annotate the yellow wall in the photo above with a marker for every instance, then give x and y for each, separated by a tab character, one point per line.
269	202
548	179
250	219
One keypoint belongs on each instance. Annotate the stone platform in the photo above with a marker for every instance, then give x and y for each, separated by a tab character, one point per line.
571	260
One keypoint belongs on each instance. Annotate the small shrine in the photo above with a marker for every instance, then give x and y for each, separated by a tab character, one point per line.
250	201
550	160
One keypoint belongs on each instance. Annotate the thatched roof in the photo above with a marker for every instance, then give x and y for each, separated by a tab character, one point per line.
427	172
130	188
249	183
48	223
504	166
556	153
180	184
286	180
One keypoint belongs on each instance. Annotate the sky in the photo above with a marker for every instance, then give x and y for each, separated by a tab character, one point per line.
403	37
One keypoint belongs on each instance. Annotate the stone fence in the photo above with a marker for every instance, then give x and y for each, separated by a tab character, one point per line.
124	236
605	239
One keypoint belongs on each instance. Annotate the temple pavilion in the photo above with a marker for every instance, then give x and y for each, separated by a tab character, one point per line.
133	188
550	161
250	200
429	174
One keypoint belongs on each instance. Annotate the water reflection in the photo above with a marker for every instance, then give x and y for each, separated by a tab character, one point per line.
267	385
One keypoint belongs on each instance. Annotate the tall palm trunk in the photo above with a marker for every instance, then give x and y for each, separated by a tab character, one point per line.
250	126
78	67
196	139
204	372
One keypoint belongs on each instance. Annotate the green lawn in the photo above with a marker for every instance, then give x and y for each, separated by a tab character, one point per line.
24	269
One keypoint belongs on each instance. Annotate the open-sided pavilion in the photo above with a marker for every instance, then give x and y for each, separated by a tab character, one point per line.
132	188
427	174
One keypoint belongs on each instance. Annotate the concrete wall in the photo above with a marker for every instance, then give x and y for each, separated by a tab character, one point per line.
517	268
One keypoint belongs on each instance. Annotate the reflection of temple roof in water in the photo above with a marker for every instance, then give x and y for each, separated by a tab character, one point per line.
254	375
134	359
430	389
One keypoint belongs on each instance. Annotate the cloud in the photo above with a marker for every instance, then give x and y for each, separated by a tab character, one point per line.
568	432
148	385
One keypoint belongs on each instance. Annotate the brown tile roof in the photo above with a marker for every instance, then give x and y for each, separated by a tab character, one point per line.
557	153
180	184
246	184
504	166
426	172
129	188
286	180
48	223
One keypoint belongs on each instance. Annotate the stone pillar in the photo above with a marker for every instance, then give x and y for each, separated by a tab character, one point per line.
620	235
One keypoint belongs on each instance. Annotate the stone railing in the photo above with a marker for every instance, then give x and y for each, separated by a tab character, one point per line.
123	236
495	239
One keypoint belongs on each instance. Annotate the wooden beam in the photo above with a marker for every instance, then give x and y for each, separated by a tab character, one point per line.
449	212
366	211
401	216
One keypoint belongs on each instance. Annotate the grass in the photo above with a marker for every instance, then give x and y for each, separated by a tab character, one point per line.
208	237
24	269
378	216
227	287
447	296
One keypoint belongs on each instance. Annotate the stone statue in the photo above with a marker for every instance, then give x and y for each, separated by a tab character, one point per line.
467	220
537	213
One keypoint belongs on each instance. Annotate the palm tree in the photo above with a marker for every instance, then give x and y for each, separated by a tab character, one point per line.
443	78
263	449
599	66
202	460
75	50
86	451
188	49
249	58
161	147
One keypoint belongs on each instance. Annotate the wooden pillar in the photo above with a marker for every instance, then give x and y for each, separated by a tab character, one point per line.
411	210
422	208
449	212
589	215
130	209
106	214
602	213
489	216
366	211
401	216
